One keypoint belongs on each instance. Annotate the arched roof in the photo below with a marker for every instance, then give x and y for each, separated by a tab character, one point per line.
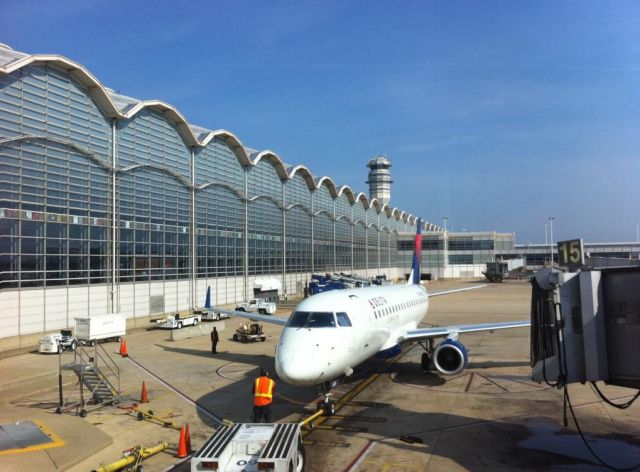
305	173
376	204
275	161
230	140
329	183
362	197
122	107
346	190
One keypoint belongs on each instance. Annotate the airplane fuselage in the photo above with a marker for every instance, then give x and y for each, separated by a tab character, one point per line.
329	334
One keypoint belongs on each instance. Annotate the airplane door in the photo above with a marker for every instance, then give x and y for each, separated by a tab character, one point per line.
359	314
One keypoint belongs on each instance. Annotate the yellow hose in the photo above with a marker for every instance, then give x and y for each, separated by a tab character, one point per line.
138	453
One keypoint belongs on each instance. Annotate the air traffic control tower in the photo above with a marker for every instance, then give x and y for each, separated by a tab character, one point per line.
380	179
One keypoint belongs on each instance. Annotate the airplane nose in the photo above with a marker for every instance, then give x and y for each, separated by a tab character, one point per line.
295	369
296	365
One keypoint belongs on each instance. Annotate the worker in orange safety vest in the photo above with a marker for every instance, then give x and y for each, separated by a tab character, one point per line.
263	389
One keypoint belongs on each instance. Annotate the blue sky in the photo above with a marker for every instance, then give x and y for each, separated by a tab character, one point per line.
496	114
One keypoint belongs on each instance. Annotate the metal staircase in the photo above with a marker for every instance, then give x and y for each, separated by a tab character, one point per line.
98	379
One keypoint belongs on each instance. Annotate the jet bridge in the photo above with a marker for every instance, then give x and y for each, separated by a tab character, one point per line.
585	326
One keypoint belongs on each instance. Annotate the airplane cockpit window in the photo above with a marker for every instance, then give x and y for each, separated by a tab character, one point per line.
321	320
343	319
298	319
305	319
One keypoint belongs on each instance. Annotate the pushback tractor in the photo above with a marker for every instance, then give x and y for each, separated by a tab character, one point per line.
252	447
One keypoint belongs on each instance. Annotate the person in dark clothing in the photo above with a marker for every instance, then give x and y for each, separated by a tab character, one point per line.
214	340
263	390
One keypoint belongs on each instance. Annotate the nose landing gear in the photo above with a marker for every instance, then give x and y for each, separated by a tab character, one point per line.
326	403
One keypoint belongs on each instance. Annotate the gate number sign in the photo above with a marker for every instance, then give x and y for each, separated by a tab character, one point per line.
571	252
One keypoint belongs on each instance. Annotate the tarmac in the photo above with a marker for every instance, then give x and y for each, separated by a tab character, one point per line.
395	417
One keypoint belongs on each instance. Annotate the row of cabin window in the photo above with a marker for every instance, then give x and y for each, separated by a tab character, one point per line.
387	311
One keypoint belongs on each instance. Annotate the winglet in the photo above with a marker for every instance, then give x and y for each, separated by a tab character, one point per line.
414	277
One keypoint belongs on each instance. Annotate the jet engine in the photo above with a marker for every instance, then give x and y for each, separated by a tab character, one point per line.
450	356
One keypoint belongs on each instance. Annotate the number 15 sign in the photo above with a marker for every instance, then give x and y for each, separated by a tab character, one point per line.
571	252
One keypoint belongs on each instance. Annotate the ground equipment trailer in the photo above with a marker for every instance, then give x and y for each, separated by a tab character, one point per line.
207	314
249	333
177	321
499	270
93	328
257	305
252	447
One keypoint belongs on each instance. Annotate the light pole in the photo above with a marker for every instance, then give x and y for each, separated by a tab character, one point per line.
546	229
551	218
445	254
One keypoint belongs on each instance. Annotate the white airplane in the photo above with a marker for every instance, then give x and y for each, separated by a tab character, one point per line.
330	333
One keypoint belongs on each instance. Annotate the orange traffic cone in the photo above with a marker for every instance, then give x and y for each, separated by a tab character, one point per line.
123	348
143	395
188	435
182	445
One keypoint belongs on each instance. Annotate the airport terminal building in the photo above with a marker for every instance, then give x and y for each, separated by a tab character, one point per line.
112	204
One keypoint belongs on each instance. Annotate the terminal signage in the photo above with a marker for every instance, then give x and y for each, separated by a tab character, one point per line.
571	252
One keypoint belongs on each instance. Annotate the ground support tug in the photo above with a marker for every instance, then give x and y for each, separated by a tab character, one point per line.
252	447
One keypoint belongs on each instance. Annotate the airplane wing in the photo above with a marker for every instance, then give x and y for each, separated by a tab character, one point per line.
445	331
253	316
446	292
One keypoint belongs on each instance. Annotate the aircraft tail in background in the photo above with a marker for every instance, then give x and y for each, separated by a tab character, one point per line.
414	277
207	300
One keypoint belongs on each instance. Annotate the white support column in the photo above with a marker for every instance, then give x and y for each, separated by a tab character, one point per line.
366	242
352	240
192	277
284	242
312	235
245	270
389	233
378	230
113	308
335	267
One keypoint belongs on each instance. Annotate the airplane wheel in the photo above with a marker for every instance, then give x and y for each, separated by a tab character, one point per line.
235	337
320	405
83	413
425	361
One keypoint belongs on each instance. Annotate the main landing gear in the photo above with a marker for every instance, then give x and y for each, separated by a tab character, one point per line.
427	356
327	404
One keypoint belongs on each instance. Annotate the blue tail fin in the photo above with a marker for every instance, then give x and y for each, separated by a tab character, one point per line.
207	300
414	278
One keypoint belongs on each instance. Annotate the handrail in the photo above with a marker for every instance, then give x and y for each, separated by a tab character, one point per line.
108	362
100	356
